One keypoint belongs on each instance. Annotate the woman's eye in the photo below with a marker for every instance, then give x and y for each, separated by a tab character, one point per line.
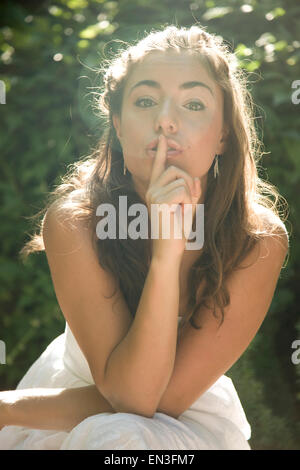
197	103
137	103
140	100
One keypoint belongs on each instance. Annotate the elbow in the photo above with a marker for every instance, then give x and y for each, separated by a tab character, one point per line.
133	406
128	402
146	412
172	408
125	397
169	412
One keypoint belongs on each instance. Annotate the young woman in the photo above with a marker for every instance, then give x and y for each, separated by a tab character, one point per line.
152	327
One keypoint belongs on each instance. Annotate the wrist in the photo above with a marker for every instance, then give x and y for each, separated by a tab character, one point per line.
166	263
7	401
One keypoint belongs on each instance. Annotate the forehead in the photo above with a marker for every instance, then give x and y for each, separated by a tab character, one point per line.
160	66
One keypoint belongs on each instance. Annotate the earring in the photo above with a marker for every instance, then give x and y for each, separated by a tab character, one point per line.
216	165
125	169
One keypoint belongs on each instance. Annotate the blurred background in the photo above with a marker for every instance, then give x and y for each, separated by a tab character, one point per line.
49	51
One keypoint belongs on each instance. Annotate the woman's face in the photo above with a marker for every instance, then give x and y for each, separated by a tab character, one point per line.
190	115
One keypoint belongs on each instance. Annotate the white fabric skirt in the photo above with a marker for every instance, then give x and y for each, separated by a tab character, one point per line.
215	421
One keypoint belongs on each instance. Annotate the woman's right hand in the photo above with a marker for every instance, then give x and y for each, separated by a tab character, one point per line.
4	403
171	186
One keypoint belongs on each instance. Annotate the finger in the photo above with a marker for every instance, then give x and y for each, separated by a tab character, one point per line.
175	195
160	192
159	163
191	197
173	172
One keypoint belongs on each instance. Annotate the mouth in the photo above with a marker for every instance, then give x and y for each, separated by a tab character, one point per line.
170	152
174	148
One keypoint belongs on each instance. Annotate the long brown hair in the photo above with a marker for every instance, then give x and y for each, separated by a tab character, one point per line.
239	209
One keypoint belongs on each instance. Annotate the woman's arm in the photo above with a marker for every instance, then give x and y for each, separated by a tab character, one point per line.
51	408
139	369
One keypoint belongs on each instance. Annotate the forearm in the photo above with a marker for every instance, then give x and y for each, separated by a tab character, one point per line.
139	369
52	408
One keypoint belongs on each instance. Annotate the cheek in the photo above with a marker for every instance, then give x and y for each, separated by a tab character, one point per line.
133	133
208	134
203	144
202	150
208	139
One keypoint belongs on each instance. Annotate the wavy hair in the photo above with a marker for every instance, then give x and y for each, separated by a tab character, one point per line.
239	205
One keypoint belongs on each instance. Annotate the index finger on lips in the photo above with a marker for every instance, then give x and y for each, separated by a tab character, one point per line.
159	163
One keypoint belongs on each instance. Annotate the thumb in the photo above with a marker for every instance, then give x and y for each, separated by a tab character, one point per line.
196	195
197	192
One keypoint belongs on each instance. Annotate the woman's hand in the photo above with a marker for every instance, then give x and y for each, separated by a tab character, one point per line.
171	186
6	398
60	409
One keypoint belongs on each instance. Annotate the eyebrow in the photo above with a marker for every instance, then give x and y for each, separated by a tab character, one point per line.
183	86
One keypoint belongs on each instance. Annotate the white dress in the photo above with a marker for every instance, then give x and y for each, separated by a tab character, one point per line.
215	421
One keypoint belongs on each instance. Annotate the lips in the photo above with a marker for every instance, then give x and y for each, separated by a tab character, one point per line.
172	145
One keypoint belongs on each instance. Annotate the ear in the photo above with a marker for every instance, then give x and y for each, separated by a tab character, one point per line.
223	141
117	125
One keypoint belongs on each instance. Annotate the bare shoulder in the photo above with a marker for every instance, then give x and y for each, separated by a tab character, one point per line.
65	233
59	216
276	234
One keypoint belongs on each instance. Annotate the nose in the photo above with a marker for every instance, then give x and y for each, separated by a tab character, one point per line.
166	119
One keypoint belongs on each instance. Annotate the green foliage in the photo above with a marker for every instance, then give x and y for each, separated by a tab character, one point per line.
48	51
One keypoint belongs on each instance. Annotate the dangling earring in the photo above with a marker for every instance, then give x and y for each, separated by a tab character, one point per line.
125	169
216	165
